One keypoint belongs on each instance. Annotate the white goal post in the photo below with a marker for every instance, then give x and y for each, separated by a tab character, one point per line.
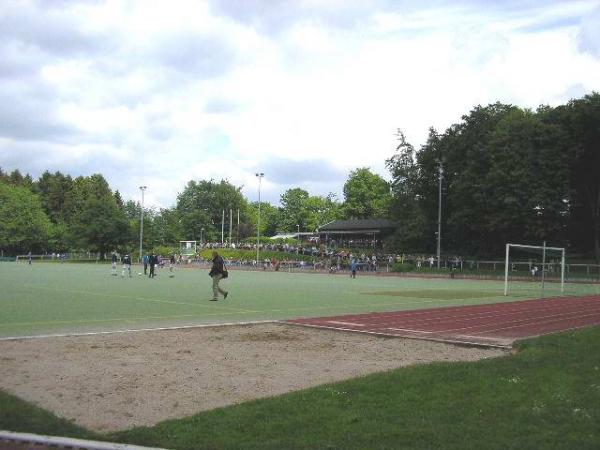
187	248
543	250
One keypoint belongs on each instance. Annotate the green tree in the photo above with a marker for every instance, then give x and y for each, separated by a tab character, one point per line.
54	190
528	179
24	226
366	195
167	227
269	220
301	210
405	206
505	179
98	225
321	210
201	205
293	209
581	119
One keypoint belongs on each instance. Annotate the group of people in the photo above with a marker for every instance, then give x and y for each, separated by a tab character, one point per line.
125	259
150	260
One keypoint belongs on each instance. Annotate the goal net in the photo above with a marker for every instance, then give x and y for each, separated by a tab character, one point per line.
534	270
187	248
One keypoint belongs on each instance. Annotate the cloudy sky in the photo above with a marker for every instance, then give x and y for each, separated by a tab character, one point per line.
157	93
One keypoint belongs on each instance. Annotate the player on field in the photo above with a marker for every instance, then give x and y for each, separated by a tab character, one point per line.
126	266
114	264
172	265
353	268
152	259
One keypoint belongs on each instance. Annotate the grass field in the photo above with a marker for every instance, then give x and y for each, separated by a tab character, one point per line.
48	298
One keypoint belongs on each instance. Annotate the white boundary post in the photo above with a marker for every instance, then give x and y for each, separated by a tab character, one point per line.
562	273
543	267
506	271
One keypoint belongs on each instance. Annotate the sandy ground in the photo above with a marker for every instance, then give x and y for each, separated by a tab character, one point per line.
118	381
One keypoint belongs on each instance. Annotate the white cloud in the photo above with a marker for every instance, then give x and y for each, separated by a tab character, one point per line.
158	93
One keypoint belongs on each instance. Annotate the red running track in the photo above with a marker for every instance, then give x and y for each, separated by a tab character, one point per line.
497	325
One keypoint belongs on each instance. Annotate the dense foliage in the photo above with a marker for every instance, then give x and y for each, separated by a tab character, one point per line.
508	175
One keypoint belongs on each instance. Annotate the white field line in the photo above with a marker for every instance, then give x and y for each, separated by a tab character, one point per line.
135	330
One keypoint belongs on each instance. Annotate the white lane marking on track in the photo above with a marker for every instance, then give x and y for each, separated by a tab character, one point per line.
411	331
346	323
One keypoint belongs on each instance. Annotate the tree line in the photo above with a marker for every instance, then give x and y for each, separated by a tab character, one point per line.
58	213
508	174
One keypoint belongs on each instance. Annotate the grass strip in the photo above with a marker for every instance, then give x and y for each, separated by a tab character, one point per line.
22	417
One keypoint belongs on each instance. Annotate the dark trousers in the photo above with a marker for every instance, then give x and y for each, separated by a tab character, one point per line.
151	271
145	268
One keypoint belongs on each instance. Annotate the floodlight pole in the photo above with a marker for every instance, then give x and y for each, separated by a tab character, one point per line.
201	232
260	176
439	233
142	188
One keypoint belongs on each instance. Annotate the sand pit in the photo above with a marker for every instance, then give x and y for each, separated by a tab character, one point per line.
117	381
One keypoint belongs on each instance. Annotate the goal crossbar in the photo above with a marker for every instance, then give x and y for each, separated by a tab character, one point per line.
543	248
537	247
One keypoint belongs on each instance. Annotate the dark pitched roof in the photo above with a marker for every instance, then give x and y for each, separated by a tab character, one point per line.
358	225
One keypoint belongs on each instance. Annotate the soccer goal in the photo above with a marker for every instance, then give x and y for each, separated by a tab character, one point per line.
36	258
187	248
533	269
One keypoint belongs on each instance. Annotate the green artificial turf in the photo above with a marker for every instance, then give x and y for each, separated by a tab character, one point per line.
47	298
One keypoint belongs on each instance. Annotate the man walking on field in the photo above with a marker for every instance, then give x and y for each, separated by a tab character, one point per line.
217	272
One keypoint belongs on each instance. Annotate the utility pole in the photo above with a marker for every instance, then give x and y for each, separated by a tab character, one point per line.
260	176
230	225
142	188
439	232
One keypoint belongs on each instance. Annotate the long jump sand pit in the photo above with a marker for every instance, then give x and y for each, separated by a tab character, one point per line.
117	381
